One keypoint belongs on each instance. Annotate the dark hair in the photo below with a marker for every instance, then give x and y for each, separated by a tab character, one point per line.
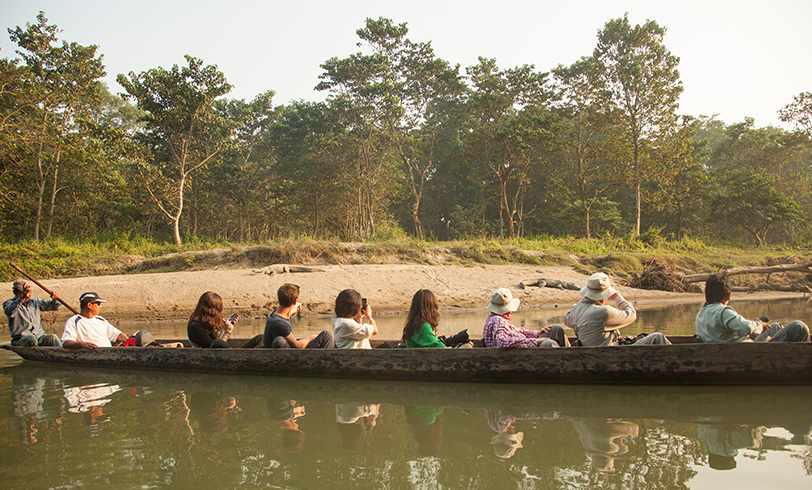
424	309
209	312
717	289
348	302
288	294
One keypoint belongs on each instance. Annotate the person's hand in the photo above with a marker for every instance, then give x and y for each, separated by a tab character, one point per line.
87	345
298	411
27	291
764	325
545	329
54	295
368	312
296	307
228	328
614	296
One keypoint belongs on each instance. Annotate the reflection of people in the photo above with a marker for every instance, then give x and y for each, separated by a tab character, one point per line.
724	441
507	439
88	330
604	439
355	420
500	331
718	322
24	319
279	330
597	324
211	412
207	328
29	403
286	412
348	330
90	400
427	424
421	324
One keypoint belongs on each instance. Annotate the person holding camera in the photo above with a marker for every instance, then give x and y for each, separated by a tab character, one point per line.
420	330
208	329
279	329
348	330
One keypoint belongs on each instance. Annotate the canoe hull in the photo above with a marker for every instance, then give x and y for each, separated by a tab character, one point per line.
681	364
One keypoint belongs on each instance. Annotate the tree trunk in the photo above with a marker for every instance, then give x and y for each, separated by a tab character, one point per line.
52	205
806	268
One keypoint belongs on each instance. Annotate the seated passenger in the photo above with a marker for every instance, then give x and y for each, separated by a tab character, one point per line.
24	320
88	330
500	332
208	329
597	324
718	322
279	329
348	331
421	324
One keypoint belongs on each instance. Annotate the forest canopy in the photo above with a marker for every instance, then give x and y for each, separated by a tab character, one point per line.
405	144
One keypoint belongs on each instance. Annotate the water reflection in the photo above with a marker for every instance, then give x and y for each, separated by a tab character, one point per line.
187	430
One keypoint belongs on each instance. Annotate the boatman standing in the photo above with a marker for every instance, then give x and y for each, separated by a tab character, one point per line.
88	330
24	320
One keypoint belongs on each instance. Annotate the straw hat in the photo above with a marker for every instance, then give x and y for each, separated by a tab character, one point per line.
598	287
505	445
502	301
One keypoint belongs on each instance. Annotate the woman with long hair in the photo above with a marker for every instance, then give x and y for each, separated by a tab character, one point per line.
421	324
208	329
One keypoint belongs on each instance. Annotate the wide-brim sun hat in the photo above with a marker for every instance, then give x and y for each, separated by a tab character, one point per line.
505	445
502	301
598	287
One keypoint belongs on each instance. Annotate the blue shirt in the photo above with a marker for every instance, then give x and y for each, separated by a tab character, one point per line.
24	318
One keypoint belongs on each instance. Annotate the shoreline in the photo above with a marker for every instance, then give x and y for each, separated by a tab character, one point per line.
173	295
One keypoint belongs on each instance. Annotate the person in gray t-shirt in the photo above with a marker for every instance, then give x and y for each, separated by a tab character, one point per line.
24	321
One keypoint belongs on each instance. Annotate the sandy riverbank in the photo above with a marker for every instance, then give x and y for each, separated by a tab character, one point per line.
389	288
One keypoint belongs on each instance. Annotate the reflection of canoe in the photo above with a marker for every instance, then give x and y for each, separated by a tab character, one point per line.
767	405
682	363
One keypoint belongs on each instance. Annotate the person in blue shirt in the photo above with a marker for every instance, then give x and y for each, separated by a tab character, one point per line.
24	321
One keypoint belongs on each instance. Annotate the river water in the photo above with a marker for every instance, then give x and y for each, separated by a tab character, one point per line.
100	428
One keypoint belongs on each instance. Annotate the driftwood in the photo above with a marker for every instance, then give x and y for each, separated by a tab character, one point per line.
283	268
771	287
766	269
550	283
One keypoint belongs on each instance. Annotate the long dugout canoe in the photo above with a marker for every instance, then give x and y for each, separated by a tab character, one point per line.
678	364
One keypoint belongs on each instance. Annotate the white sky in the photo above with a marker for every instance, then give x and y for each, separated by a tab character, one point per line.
738	57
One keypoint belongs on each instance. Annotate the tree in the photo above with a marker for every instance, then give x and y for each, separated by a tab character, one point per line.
799	112
747	199
643	81
508	124
182	129
59	84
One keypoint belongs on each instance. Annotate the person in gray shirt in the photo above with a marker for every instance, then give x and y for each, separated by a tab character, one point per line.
597	324
24	321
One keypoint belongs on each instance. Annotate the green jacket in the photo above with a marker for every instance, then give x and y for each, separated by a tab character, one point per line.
424	337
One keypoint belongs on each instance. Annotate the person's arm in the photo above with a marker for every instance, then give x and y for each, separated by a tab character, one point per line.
299	343
505	337
426	338
52	304
740	326
74	344
69	336
198	335
624	314
10	305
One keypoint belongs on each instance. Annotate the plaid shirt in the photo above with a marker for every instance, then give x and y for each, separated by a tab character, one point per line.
500	332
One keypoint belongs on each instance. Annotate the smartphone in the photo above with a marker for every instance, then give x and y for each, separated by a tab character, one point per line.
233	318
363	304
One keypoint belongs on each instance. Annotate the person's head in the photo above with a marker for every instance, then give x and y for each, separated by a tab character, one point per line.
348	304
287	294
19	287
90	304
598	287
424	309
209	311
716	289
502	302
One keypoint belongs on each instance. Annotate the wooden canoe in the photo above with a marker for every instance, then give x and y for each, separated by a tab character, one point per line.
684	363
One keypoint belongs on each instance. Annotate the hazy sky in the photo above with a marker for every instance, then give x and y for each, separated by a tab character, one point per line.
738	57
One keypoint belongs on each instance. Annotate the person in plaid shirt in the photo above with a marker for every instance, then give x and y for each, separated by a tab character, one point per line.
500	332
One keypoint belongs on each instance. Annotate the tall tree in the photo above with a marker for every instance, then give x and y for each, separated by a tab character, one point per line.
643	81
799	112
183	130
61	82
508	124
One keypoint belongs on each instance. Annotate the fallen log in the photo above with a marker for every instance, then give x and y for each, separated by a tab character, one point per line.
771	287
767	269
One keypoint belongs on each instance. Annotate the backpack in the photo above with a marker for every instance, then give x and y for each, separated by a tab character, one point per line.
141	338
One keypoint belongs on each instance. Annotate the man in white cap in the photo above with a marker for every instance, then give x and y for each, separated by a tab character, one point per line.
24	320
597	324
500	332
88	330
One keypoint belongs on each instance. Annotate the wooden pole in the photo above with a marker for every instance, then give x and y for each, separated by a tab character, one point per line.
43	287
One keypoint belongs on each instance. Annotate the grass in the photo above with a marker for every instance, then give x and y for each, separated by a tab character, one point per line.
621	256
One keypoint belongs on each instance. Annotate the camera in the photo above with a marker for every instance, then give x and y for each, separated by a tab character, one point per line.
364	305
455	340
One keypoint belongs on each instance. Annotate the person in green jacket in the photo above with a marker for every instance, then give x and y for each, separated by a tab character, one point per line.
421	324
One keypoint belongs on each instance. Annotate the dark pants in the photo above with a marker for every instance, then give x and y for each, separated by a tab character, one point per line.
323	340
557	335
250	344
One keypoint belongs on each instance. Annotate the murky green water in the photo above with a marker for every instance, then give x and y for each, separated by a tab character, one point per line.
65	427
